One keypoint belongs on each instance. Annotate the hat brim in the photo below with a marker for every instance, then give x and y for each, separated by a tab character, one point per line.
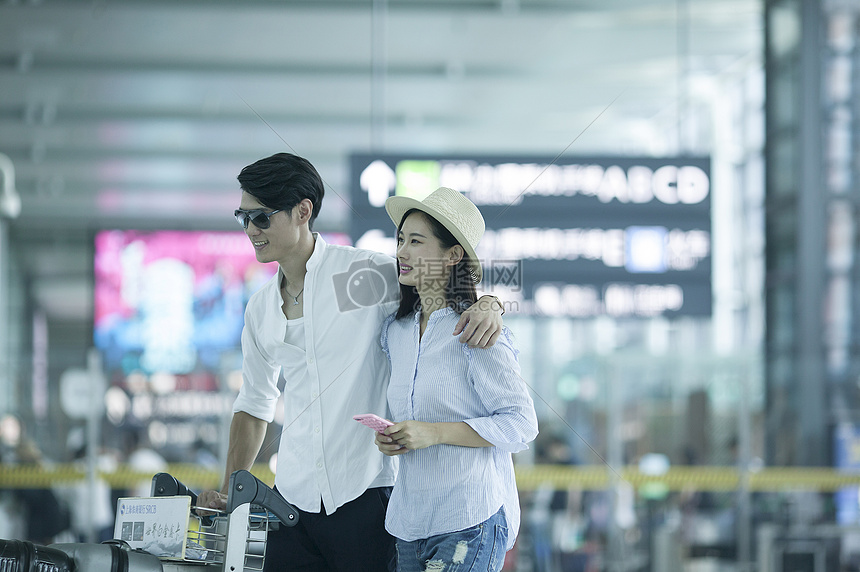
396	207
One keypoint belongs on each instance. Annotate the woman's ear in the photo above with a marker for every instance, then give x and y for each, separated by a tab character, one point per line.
455	254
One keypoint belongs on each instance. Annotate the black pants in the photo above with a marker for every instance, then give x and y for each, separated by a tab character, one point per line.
352	539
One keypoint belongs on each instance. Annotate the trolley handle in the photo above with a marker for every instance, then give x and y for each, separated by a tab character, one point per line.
246	488
166	485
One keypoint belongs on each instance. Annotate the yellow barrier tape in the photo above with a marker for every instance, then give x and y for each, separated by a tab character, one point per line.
192	476
704	478
591	477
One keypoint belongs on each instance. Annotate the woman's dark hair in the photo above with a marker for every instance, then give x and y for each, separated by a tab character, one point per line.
459	292
282	181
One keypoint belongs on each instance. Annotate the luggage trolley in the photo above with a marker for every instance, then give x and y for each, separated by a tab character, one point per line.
233	540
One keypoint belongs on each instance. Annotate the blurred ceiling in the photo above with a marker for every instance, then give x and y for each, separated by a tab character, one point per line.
139	114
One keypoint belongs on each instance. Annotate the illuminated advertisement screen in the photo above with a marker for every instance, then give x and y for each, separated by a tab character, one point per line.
173	301
169	310
580	237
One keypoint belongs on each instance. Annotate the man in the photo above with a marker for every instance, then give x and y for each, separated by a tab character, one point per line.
317	323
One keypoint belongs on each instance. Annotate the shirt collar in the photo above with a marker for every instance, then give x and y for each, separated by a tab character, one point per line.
437	315
314	260
317	254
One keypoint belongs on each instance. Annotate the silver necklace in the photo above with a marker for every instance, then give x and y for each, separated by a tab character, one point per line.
296	297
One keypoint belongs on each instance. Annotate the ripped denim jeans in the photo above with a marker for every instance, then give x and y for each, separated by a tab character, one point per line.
480	547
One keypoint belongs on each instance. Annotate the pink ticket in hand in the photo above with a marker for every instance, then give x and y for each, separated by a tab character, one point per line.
375	422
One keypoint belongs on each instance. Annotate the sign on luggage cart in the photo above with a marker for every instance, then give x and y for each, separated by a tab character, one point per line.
157	525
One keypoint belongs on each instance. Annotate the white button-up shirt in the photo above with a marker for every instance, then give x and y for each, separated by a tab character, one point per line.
341	371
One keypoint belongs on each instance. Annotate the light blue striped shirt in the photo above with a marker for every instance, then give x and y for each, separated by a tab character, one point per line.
446	488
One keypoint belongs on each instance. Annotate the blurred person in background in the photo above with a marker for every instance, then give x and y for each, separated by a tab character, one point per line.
11	519
90	503
203	456
143	458
548	503
45	516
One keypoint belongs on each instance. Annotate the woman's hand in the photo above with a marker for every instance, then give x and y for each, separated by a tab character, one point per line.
389	446
413	435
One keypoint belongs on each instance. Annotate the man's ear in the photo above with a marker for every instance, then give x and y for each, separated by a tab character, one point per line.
304	210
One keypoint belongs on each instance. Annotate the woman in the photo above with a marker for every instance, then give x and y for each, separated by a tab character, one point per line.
459	412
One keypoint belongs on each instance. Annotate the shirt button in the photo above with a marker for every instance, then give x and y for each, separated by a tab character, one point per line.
314	394
319	465
316	429
311	361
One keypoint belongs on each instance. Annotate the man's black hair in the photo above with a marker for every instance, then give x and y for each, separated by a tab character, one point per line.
282	181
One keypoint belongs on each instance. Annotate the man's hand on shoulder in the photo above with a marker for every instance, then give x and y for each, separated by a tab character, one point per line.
481	324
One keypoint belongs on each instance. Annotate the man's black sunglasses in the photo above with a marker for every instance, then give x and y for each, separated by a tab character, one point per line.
259	217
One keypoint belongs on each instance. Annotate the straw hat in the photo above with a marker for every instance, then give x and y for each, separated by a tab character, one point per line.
454	211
